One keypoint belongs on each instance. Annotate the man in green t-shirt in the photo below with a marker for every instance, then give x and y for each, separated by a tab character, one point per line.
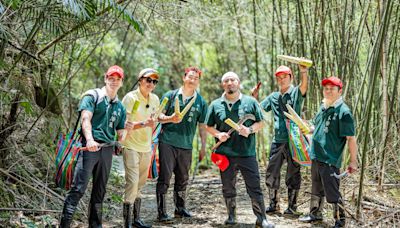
239	147
334	127
279	153
103	115
176	141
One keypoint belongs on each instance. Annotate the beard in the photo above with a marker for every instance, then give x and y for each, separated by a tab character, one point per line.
230	91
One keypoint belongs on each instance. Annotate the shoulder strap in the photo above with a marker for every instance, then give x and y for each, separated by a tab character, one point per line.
95	94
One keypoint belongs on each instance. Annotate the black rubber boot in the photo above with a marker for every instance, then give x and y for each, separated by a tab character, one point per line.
231	208
66	216
292	203
339	214
127	213
162	209
180	209
95	215
316	206
273	201
258	209
137	222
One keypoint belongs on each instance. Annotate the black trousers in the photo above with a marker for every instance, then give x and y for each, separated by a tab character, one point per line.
248	167
323	183
279	153
173	160
89	163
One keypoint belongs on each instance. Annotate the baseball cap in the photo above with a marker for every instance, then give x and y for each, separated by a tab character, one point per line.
332	80
220	160
283	70
148	72
115	70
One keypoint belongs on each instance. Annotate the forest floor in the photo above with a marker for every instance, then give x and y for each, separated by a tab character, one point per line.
206	203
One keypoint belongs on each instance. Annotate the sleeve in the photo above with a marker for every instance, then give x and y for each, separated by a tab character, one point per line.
209	120
203	114
299	97
168	106
121	124
266	104
128	102
87	103
257	111
346	125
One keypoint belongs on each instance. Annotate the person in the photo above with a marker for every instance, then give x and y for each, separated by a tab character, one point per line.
239	147
175	142
137	144
102	116
334	127
279	152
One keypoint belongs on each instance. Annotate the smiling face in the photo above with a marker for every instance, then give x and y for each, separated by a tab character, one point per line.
331	92
113	82
284	80
147	84
191	80
230	84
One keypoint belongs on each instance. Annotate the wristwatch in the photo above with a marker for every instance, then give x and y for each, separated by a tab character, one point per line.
251	129
142	123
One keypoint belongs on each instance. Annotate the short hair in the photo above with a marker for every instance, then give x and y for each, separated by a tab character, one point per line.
195	69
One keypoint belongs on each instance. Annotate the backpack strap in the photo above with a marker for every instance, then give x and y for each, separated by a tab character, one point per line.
95	94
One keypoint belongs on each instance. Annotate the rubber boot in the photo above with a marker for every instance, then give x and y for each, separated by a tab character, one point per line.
137	222
273	201
162	209
127	213
316	206
258	209
180	209
292	203
231	208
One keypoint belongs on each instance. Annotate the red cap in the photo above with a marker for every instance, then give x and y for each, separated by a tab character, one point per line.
283	70
220	160
115	70
332	80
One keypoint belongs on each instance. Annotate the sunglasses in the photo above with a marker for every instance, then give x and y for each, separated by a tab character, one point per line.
154	81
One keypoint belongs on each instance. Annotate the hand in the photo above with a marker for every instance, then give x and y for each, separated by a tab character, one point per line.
129	125
222	136
174	118
150	122
202	153
118	149
92	145
244	131
352	167
303	69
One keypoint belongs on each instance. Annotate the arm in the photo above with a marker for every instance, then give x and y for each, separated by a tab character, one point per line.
304	80
87	131
203	139
352	144
221	136
169	119
245	131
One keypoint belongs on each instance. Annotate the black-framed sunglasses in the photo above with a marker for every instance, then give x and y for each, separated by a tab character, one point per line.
154	81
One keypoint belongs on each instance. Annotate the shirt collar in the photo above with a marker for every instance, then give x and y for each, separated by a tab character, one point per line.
223	97
335	104
180	91
291	87
104	94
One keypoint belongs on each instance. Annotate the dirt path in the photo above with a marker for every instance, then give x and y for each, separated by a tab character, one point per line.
206	203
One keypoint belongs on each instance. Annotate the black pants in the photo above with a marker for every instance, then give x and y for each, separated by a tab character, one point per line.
97	164
173	160
248	167
278	154
323	183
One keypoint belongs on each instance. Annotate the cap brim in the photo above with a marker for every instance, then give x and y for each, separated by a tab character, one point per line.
153	76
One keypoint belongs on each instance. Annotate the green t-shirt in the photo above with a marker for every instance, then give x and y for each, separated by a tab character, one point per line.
108	116
181	134
236	145
332	125
294	98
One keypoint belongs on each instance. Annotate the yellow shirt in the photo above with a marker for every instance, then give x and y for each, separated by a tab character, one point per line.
139	139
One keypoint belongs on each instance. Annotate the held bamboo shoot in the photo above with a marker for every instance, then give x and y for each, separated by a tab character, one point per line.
296	60
232	124
161	107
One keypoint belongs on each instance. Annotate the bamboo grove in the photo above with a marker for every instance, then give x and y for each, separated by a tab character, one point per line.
51	51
